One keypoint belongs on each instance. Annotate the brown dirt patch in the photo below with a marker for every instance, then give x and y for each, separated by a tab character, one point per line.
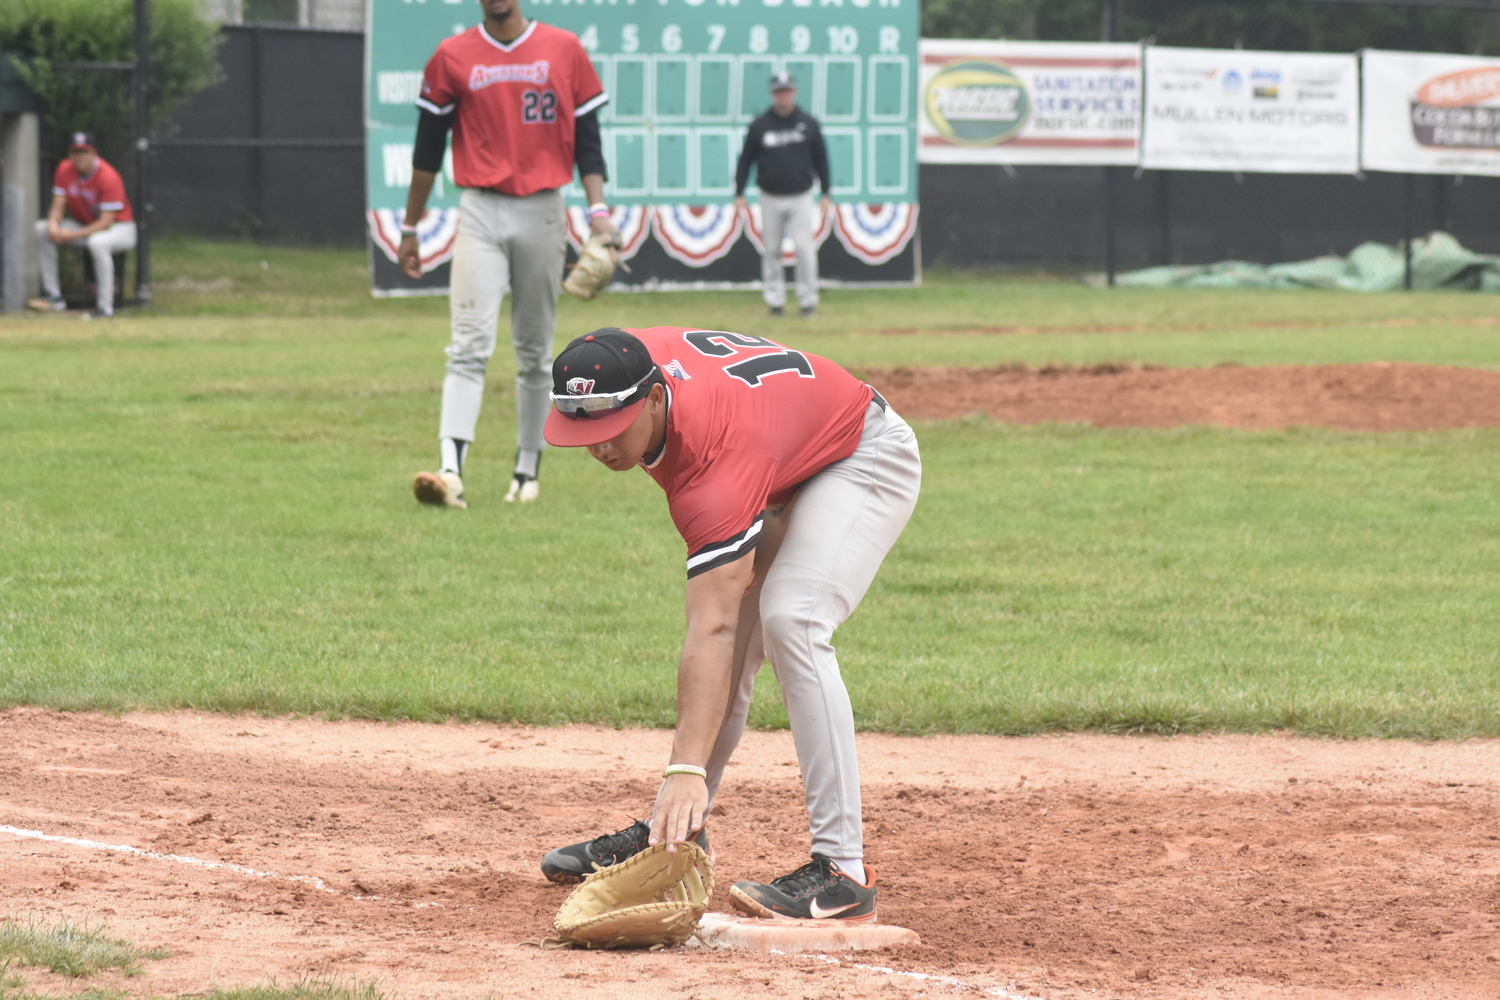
1054	867
1373	397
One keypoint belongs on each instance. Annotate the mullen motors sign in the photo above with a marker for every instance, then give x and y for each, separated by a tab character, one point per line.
977	103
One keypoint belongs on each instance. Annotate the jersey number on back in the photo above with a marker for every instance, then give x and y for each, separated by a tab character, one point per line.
538	106
718	344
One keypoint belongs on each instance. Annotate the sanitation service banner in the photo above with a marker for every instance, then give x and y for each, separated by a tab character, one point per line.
1030	102
1431	114
1256	112
685	79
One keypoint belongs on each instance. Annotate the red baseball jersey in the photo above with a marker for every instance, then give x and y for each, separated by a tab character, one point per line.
748	420
516	103
100	191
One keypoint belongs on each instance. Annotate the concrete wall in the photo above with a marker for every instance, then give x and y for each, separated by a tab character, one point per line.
20	135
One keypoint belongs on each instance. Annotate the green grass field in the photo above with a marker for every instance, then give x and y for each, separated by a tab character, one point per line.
209	507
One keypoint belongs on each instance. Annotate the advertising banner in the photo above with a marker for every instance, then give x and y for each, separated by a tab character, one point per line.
685	78
1029	102
1256	112
1431	114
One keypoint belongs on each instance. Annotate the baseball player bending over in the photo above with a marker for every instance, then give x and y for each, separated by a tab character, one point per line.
520	97
790	480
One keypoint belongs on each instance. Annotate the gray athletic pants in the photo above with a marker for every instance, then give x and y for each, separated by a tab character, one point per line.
514	245
793	213
101	246
836	533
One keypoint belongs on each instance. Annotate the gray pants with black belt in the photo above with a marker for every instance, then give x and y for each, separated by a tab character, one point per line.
505	244
815	561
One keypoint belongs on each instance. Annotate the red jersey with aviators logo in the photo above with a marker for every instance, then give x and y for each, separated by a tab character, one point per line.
516	103
748	420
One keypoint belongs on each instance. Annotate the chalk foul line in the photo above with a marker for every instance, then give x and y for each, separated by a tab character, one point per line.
184	859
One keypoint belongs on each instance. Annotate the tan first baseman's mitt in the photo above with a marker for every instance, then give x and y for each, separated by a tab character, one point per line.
652	900
595	268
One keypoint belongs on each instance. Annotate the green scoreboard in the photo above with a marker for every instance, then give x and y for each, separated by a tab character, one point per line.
685	78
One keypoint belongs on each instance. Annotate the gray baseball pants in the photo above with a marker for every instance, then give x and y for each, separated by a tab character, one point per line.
792	214
101	246
814	563
505	244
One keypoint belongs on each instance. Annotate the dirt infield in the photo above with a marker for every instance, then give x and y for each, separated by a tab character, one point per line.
1053	867
1373	397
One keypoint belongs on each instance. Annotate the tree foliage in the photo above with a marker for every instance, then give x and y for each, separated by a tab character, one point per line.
39	33
1250	24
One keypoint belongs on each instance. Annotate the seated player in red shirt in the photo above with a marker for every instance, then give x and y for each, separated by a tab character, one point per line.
91	191
790	480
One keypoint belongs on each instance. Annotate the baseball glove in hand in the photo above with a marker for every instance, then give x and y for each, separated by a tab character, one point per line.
652	900
594	269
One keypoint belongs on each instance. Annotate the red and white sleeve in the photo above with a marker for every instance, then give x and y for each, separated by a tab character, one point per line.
439	89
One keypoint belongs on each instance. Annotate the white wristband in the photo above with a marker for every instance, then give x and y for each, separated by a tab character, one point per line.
409	230
685	769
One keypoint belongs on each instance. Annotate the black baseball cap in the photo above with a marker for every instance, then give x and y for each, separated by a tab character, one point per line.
599	386
82	140
783	81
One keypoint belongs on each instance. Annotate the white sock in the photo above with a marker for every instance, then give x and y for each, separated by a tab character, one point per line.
853	867
453	452
526	462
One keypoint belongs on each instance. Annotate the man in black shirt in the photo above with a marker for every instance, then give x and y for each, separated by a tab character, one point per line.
786	147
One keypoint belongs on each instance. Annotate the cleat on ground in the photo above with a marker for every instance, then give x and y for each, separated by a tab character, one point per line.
572	864
522	488
46	304
440	489
816	891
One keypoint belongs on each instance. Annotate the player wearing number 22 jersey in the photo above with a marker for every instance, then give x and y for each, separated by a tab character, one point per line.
521	99
790	480
519	102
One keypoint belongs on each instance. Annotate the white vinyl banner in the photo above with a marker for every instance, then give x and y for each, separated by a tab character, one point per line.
1029	102
1256	112
1431	114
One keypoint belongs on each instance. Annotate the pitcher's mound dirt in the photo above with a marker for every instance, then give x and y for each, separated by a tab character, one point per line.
1057	867
1374	397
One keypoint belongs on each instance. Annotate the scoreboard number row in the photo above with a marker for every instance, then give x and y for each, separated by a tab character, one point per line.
843	39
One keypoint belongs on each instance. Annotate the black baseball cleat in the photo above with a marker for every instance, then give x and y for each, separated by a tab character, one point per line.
816	891
572	864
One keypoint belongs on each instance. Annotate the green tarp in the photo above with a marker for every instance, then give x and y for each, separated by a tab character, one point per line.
1438	261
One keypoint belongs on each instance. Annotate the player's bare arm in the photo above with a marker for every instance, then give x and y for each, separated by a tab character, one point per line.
703	684
105	220
54	219
409	254
600	225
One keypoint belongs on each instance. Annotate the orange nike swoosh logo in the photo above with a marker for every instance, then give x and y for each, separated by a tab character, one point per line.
819	913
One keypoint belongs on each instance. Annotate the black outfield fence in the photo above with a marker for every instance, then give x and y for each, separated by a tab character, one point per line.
1055	216
276	151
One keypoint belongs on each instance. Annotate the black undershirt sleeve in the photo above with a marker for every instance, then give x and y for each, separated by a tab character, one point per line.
588	149
748	156
820	157
432	141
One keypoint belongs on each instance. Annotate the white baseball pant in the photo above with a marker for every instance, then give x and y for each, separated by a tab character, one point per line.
505	244
791	214
118	238
837	532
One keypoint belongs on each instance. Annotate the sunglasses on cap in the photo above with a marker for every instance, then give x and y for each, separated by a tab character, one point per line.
590	404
